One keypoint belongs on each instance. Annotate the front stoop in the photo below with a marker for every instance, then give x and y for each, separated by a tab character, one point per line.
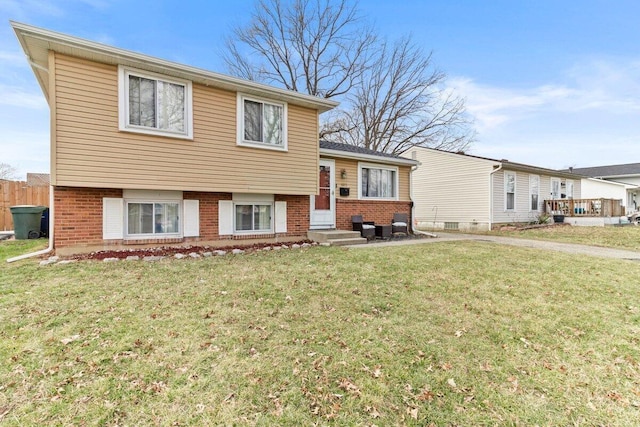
336	237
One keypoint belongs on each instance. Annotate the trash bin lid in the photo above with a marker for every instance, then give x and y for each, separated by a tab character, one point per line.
27	209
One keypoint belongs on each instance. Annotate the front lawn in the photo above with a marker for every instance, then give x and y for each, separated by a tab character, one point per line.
626	237
450	333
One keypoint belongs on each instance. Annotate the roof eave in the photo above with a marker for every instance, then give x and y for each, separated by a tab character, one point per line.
55	41
368	157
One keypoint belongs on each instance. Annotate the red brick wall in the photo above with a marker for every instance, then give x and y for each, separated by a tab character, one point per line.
77	215
208	212
298	214
379	211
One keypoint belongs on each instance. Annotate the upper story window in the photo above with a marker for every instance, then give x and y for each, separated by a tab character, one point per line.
510	191
154	104
262	123
378	182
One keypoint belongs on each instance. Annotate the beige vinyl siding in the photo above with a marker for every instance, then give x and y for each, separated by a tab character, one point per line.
92	152
450	188
351	181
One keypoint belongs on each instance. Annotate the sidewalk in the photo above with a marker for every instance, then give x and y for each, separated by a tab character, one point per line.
527	243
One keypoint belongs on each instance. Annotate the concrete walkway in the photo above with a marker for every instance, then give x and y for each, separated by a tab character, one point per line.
536	244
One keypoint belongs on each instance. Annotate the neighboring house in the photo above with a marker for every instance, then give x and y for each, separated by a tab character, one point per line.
627	178
147	151
460	191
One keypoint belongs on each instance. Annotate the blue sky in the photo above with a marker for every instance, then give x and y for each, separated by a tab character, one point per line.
550	83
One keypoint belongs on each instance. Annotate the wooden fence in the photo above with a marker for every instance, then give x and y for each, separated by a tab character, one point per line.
13	193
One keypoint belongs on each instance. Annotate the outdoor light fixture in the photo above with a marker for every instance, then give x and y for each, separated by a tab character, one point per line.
343	173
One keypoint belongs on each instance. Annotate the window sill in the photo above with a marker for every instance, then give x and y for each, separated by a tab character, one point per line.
151	240
262	145
153	132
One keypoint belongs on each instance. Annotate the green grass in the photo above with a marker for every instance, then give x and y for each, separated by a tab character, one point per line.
452	333
12	248
627	237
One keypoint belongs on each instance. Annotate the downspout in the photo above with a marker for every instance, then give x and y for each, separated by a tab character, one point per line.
413	207
499	168
50	247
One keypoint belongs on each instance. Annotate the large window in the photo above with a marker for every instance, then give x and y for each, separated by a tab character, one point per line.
262	123
510	190
378	182
252	217
153	219
534	192
152	104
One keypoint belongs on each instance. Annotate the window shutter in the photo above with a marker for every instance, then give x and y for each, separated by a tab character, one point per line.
112	218
281	217
191	218
225	217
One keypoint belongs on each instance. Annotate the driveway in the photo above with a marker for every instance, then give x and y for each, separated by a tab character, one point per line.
536	244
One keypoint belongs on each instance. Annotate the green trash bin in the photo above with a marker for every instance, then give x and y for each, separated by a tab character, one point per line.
26	221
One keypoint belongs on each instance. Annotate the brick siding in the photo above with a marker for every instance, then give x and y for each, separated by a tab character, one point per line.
379	211
78	217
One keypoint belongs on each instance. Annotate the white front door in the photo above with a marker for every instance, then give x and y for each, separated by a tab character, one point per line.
323	206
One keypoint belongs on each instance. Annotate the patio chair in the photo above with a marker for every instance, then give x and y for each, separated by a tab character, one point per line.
400	223
367	229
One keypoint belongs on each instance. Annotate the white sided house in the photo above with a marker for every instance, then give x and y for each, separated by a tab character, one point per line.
456	191
614	181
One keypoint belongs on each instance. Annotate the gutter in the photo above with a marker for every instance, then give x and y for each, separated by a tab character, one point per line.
368	157
50	247
499	168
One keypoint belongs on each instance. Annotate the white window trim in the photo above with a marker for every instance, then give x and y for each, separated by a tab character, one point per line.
515	190
253	199
253	232
240	123
556	196
152	235
378	166
123	104
531	194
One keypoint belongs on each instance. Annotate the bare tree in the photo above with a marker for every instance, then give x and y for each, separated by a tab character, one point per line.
7	172
315	46
392	96
401	103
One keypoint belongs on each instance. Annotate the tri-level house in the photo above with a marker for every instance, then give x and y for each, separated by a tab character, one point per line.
146	151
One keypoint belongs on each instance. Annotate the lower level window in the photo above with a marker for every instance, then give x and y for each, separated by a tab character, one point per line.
153	218
253	217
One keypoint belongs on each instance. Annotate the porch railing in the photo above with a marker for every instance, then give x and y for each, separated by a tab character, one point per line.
584	207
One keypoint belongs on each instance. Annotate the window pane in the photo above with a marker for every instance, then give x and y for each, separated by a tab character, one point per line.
534	202
272	124
378	183
510	200
365	182
140	218
244	217
171	106
166	218
252	121
142	101
262	217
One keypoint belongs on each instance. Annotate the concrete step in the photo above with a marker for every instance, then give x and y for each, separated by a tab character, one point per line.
350	241
323	236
